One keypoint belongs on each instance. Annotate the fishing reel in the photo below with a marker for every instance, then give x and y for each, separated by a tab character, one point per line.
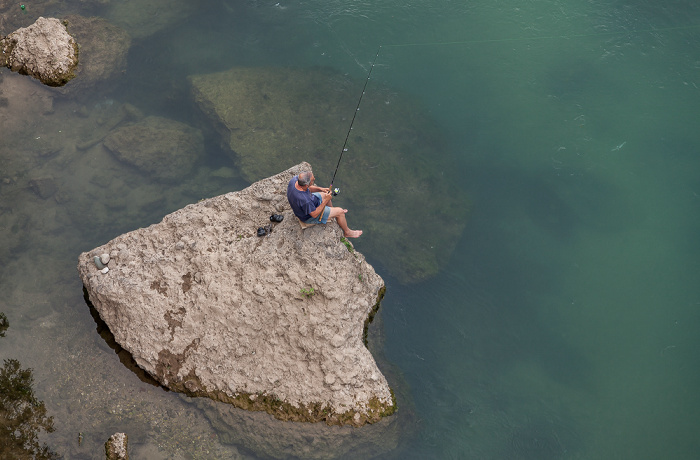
335	191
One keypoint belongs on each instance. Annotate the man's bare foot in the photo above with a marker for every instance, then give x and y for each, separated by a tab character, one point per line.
353	233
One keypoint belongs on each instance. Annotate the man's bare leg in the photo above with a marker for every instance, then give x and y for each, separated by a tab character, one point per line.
339	214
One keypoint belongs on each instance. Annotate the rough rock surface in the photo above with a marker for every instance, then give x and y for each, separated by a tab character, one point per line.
44	50
166	148
394	177
270	323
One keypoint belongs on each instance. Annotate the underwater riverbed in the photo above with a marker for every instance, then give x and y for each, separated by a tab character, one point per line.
562	324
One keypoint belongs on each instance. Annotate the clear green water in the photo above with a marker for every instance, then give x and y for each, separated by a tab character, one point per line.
565	324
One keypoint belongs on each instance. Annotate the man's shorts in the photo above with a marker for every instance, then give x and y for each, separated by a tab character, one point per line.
323	217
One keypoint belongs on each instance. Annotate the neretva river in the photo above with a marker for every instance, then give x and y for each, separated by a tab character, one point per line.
564	322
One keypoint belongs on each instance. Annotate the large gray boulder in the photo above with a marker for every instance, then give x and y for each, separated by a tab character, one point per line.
44	50
271	323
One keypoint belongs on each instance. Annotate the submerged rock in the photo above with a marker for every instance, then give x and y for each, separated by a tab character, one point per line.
395	178
103	51
273	323
143	19
22	102
44	50
44	187
165	148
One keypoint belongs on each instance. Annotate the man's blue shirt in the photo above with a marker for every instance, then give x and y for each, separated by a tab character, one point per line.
302	203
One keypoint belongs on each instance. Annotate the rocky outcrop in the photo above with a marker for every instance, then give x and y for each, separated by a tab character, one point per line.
271	323
44	50
164	148
393	178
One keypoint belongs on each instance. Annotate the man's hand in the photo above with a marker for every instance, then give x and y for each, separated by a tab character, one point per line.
314	189
325	199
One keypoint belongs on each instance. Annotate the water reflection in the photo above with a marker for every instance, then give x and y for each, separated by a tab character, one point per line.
4	324
22	416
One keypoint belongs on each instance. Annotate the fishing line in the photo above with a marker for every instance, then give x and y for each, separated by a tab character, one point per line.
541	37
357	109
482	41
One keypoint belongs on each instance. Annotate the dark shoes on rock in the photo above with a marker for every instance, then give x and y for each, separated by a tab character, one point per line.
262	231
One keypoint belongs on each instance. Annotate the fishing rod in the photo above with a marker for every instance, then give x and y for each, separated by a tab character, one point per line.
357	109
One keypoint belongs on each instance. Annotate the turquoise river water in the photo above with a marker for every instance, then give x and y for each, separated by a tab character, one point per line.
565	325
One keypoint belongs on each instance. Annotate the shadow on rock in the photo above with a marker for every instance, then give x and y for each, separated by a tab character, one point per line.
124	356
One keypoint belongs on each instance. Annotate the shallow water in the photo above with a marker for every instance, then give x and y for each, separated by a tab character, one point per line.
564	326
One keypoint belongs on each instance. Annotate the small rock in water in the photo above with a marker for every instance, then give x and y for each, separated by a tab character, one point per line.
116	447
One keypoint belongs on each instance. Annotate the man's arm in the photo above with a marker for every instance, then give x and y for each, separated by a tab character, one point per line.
313	189
326	198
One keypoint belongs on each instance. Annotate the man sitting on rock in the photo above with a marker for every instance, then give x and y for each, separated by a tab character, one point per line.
312	204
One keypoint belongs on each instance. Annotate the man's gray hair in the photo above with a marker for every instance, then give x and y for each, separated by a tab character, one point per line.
304	178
